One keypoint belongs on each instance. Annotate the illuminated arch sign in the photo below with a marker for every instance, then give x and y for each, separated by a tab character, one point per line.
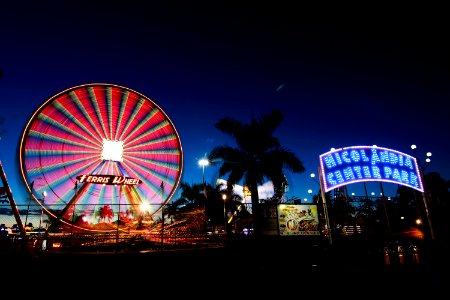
108	179
368	163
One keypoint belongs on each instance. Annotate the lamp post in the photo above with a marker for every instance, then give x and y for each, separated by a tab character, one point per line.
313	177
427	160
44	194
203	163
424	193
224	198
28	208
310	194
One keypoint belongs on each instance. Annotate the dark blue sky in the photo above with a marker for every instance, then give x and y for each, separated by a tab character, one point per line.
342	76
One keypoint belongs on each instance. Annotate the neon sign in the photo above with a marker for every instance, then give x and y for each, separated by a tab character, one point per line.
108	179
368	163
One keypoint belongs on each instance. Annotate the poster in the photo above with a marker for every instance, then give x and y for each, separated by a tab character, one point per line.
298	219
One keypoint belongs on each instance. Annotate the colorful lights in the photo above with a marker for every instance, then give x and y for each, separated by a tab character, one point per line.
112	150
369	163
107	135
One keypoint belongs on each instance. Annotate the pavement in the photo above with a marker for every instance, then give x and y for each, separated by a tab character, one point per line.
240	268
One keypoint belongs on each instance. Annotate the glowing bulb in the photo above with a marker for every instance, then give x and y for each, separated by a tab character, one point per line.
112	150
145	207
203	162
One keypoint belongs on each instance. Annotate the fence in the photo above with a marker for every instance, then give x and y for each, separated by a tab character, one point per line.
115	230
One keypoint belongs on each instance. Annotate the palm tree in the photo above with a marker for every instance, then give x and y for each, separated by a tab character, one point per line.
258	156
191	195
104	212
221	199
438	195
192	199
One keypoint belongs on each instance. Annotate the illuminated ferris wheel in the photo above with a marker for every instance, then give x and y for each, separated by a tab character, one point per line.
97	151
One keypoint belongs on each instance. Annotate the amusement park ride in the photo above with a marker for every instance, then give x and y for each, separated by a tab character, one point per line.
6	195
100	148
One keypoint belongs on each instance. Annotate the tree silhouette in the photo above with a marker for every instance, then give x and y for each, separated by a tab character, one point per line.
105	213
258	156
438	196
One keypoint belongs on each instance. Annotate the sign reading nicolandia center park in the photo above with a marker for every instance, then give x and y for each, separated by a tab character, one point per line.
108	179
368	163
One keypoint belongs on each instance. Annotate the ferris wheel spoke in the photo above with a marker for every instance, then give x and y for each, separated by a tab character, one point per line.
71	134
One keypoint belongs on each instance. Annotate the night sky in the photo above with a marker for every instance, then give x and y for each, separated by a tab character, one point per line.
341	76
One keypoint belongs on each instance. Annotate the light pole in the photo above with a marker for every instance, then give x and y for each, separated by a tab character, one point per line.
313	177
310	194
427	160
425	193
224	198
28	207
203	163
44	194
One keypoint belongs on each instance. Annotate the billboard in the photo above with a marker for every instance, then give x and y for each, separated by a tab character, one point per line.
368	163
298	219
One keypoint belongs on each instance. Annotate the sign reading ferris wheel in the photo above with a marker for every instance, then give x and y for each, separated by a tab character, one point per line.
108	179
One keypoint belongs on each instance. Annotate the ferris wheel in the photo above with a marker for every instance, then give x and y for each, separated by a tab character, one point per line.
100	146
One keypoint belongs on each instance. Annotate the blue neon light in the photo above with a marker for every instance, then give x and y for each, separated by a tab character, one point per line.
368	163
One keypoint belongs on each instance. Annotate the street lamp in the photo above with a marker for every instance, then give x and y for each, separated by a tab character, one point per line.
310	193
424	193
427	160
44	194
203	163
224	198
